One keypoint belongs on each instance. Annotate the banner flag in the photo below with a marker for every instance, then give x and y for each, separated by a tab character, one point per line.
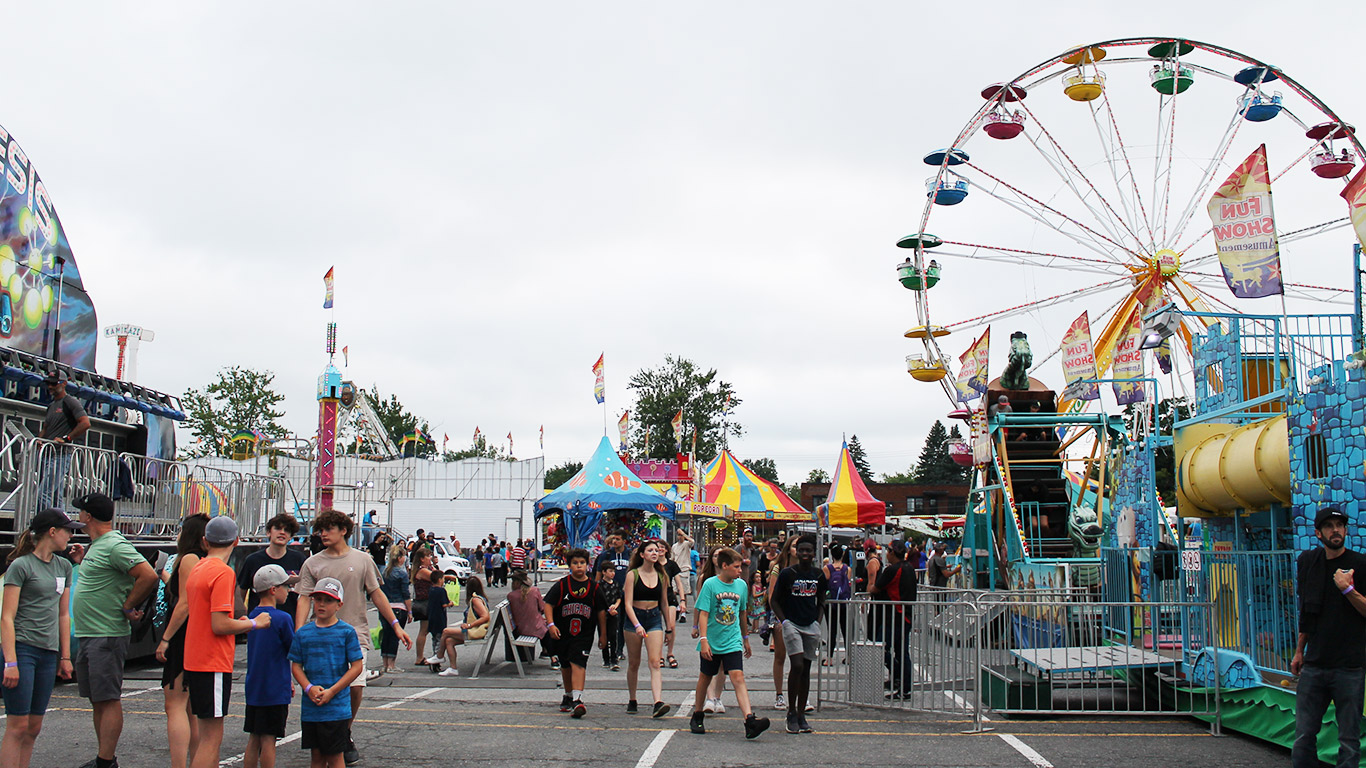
346	357
1128	363
599	388
445	438
476	436
1164	355
542	437
327	281
677	424
509	443
972	373
621	427
1245	230
1079	360
1355	195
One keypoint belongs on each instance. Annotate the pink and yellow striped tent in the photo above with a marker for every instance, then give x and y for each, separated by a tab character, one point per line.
850	504
726	481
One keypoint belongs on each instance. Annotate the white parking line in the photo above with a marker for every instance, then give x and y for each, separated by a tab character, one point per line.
655	749
235	759
685	708
417	695
1026	750
140	691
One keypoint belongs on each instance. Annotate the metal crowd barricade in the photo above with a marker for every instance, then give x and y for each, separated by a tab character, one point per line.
52	474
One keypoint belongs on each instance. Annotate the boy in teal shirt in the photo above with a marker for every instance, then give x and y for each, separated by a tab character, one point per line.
724	628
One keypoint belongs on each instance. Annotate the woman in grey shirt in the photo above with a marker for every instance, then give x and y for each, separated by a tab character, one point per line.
35	629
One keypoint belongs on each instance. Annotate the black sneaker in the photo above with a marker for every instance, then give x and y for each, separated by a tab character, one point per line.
755	726
579	710
661	709
616	667
566	703
793	724
805	726
631	707
352	755
695	724
606	663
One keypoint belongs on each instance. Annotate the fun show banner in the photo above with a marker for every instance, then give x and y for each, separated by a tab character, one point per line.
1128	363
39	280
623	426
1245	230
1355	195
1079	360
972	369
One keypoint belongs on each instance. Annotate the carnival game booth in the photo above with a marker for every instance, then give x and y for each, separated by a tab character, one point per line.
601	498
752	500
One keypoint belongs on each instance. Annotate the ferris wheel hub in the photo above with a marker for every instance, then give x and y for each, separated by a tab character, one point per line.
1165	262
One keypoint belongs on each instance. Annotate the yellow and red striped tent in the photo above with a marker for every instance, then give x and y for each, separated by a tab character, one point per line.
726	481
850	504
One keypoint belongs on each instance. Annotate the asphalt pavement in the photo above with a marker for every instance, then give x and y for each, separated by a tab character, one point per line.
416	718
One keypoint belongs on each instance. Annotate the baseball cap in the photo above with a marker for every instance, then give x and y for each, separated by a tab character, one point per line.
331	587
51	518
940	544
220	531
55	376
1328	513
97	505
271	575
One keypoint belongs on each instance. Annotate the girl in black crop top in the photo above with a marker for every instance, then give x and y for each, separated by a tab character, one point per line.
647	620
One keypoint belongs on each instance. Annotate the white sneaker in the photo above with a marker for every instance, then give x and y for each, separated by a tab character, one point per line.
780	703
720	708
449	672
709	706
432	660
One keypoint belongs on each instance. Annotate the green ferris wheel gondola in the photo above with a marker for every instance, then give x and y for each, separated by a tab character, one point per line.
906	271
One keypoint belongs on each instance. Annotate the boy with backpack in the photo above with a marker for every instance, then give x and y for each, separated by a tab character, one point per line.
611	597
268	685
572	607
797	599
723	624
326	658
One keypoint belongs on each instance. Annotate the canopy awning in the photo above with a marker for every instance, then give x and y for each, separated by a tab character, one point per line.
728	482
603	484
849	502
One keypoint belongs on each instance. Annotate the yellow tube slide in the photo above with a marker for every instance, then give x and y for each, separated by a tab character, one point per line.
1225	467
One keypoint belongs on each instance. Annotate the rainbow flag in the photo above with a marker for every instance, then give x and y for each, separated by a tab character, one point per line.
327	281
599	387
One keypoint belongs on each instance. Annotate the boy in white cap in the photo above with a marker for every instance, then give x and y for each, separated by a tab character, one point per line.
211	594
268	675
326	658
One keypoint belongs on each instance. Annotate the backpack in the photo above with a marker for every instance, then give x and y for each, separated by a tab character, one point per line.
841	588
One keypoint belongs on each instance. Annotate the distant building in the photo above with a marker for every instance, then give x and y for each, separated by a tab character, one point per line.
901	498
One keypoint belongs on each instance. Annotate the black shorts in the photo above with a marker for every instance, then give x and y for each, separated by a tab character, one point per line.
209	693
571	650
329	737
266	721
731	662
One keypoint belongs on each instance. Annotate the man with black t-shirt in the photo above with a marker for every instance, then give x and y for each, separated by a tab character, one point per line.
896	583
1331	652
279	531
797	600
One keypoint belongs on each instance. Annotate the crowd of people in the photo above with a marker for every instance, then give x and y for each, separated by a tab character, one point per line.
306	622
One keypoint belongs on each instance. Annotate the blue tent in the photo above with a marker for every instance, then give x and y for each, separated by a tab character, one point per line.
603	484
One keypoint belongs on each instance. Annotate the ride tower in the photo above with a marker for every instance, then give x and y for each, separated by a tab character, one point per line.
329	398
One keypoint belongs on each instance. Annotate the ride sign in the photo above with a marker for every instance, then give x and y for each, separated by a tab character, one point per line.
1128	364
1079	360
1245	229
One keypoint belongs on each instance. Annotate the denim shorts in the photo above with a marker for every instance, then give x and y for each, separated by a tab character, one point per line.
652	619
37	676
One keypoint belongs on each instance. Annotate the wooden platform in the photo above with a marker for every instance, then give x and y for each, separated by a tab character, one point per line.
1101	658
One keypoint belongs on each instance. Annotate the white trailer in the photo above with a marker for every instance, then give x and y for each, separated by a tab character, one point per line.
469	519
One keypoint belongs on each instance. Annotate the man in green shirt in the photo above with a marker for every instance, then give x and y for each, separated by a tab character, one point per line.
111	579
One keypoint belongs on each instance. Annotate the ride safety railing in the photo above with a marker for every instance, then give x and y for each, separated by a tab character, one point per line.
1052	651
151	496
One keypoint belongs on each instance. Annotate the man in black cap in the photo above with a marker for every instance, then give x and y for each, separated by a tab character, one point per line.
64	422
1331	652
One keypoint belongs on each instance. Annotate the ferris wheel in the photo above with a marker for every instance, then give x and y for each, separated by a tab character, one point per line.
1082	184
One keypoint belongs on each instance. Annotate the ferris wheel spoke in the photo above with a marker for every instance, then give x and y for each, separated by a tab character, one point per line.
1058	168
1104	313
1129	166
1093	234
1171	157
1208	176
1067	179
1021	256
1021	309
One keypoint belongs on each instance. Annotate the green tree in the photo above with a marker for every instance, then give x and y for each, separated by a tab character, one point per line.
818	476
764	468
558	476
934	466
859	459
479	449
901	477
397	421
240	398
660	393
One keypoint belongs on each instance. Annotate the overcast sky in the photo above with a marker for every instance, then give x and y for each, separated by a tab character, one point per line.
508	190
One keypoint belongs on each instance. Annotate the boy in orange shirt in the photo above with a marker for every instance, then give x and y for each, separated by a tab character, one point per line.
211	595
